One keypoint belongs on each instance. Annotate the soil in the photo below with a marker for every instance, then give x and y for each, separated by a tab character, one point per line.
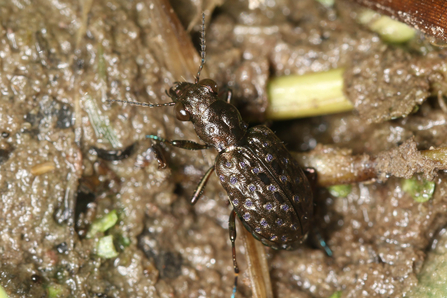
56	56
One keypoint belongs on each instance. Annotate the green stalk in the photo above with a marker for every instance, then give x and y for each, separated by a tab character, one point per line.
327	3
438	155
3	293
307	95
390	30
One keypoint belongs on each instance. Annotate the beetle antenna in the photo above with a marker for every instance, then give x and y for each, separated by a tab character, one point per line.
202	48
142	104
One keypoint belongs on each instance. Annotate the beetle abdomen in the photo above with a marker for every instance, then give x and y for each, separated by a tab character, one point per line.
267	188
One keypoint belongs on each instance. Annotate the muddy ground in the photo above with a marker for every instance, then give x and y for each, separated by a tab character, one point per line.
61	61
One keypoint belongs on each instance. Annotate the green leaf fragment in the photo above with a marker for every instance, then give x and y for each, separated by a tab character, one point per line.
433	275
340	191
106	248
103	224
420	191
3	293
100	123
55	291
124	241
336	294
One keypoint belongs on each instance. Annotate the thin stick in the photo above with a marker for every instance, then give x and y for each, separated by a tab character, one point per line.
427	16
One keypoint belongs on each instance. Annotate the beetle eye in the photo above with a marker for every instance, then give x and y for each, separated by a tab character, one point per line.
181	113
210	84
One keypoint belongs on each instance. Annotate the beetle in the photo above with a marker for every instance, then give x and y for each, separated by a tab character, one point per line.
269	192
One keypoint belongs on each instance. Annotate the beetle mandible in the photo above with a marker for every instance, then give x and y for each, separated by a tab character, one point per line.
269	192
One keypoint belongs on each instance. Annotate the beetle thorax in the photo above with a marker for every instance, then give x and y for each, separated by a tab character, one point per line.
218	123
220	126
196	100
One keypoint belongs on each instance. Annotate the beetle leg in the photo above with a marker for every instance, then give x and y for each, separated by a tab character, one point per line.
229	94
200	187
311	175
321	242
114	154
232	230
184	144
161	158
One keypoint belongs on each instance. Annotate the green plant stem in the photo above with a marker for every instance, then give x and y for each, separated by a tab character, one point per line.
307	95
